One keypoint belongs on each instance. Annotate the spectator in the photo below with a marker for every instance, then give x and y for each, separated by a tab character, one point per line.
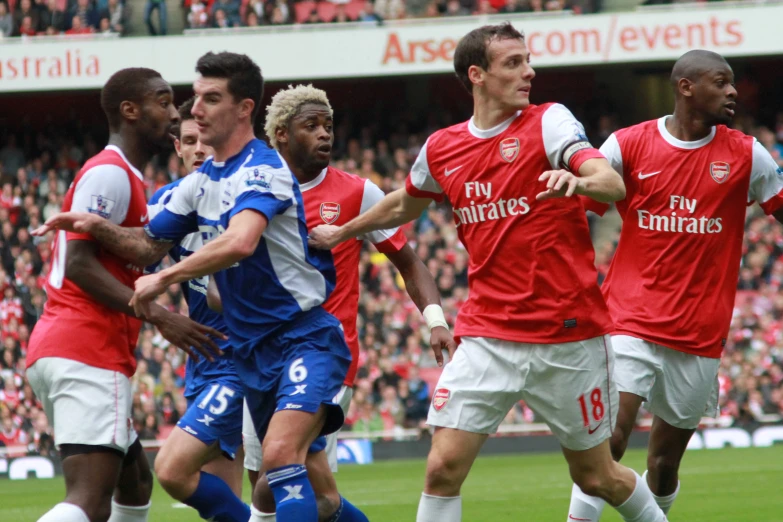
25	9
77	27
160	7
314	17
88	17
198	18
11	156
368	13
115	12
6	21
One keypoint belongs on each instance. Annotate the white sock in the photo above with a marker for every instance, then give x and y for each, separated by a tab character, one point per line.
584	507
439	509
641	506
65	512
260	516
120	513
665	503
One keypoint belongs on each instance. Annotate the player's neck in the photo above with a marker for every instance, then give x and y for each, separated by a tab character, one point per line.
234	144
488	114
131	147
687	127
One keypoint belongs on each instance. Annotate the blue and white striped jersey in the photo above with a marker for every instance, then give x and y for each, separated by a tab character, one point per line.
199	372
283	278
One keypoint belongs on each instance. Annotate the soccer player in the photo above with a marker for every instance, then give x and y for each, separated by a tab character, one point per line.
689	179
534	324
299	126
290	354
80	356
200	463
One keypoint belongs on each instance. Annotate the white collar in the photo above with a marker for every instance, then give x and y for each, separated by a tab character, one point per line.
128	163
313	182
494	131
689	145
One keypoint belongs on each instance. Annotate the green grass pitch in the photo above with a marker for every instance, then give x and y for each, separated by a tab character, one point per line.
729	485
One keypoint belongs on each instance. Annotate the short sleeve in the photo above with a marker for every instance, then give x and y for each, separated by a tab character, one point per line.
103	190
766	180
420	183
386	241
565	142
178	216
264	189
611	151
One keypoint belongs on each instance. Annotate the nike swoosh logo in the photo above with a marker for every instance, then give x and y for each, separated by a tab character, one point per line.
572	517
452	171
144	218
651	174
590	432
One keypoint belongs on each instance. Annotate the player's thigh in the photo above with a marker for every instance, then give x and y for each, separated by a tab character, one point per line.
687	391
570	387
88	405
478	386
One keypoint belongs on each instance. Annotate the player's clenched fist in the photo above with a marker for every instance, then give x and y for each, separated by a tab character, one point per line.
559	183
324	237
147	289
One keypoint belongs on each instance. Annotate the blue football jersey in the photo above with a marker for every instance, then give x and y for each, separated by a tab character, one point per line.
198	372
283	278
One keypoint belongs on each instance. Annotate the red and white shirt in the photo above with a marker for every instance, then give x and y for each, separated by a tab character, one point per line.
531	273
673	278
335	198
74	325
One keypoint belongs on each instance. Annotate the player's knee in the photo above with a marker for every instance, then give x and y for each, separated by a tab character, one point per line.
664	467
279	453
169	473
618	444
98	510
591	484
443	475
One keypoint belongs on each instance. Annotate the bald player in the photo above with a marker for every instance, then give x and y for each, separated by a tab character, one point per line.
688	180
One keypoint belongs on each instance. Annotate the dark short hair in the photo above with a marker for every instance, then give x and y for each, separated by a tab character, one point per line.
184	111
473	49
243	75
129	84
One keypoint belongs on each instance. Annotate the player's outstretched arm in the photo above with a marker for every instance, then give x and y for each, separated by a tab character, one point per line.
239	241
597	180
132	244
83	269
422	289
213	296
396	209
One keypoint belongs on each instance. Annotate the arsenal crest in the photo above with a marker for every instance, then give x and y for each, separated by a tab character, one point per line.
719	170
440	398
330	212
509	149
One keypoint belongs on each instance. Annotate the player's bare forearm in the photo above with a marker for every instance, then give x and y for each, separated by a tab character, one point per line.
599	181
239	241
132	244
419	283
396	209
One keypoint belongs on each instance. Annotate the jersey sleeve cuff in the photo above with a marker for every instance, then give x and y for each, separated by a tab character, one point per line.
412	191
773	204
78	236
583	155
393	244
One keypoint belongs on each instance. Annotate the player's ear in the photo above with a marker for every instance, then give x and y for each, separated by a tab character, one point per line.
129	110
281	135
177	146
476	75
246	108
685	87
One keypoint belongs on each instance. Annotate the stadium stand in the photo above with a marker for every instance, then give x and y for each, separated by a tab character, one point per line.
397	370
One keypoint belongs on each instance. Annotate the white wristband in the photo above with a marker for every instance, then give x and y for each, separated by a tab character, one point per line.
433	314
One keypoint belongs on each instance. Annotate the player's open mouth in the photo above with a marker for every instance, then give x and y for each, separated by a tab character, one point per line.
730	107
198	163
324	149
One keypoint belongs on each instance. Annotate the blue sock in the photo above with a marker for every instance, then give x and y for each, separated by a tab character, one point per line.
214	500
294	496
347	512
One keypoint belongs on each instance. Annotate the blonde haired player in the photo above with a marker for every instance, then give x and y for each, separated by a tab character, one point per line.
534	326
299	126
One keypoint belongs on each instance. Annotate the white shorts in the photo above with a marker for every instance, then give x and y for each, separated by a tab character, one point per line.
567	385
85	404
680	388
253	445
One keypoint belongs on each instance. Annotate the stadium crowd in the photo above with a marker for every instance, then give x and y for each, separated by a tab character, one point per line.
397	369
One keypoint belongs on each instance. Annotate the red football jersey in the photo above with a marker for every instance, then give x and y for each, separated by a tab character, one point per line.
673	278
336	197
73	325
531	273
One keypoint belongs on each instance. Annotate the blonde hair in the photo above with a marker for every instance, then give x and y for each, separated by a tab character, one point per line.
287	103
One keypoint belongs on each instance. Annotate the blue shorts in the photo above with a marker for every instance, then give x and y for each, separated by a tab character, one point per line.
215	414
300	368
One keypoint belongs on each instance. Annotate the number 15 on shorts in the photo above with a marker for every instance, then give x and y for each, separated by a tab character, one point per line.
221	399
592	406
